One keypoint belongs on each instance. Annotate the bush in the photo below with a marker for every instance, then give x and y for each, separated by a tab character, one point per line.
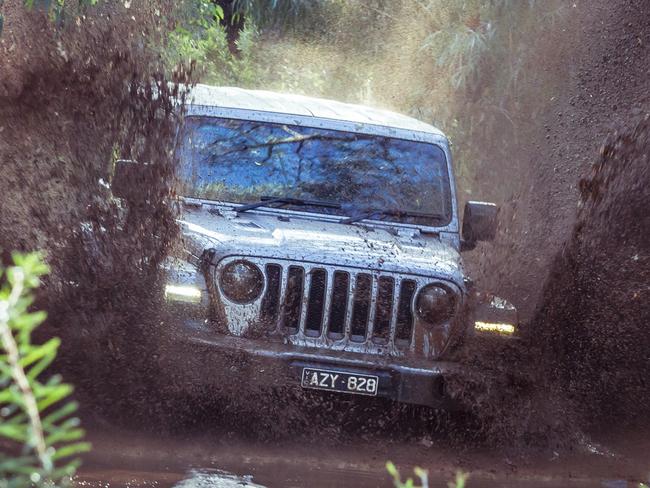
41	438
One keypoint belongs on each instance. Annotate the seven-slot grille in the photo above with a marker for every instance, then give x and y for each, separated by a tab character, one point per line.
335	304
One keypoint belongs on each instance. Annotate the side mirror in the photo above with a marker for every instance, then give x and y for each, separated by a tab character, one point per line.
479	224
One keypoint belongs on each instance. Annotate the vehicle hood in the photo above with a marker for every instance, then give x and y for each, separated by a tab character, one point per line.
297	237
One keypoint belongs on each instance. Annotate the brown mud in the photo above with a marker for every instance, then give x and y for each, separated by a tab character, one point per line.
593	321
581	368
594	70
120	459
574	265
75	95
68	107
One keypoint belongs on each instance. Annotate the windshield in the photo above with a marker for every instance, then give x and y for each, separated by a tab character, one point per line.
241	161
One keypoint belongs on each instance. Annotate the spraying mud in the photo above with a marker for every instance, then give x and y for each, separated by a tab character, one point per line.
583	359
593	320
66	116
572	250
76	96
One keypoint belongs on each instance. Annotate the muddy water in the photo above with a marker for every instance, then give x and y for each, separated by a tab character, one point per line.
120	459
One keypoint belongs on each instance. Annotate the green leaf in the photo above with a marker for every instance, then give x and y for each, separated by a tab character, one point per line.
32	263
65	434
26	322
16	433
55	394
20	419
11	464
44	354
67	409
38	352
11	395
38	368
52	381
72	450
28	470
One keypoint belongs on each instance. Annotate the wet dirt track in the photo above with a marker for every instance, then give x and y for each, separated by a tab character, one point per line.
122	459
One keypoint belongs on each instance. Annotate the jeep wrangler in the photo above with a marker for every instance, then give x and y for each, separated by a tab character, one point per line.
321	250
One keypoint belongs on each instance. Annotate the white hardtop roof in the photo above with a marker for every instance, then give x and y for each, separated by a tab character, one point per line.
299	105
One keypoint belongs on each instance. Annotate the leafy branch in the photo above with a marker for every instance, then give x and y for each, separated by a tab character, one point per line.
459	481
37	449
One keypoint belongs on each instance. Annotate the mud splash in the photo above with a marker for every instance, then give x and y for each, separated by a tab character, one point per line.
570	256
74	97
583	359
593	321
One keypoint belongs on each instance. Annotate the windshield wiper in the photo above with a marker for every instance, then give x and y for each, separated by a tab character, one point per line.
267	201
377	212
363	214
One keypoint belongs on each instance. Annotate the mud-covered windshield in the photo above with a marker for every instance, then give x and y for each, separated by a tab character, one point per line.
241	160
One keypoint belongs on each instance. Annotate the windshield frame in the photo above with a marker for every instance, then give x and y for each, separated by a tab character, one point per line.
435	138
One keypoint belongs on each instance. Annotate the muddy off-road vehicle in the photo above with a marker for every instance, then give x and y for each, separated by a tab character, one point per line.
321	250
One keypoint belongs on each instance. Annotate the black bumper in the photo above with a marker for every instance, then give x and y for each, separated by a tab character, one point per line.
217	361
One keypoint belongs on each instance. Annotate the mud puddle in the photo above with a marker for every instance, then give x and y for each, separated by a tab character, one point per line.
217	479
127	459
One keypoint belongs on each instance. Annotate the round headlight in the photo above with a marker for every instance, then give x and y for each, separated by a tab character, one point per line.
435	304
241	281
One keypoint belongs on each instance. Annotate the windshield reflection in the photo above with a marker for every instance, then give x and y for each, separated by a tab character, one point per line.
240	161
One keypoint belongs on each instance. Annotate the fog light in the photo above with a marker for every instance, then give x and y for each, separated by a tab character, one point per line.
183	293
496	327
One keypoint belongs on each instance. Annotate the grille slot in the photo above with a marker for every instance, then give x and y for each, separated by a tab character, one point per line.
316	302
384	309
339	307
271	300
293	299
361	307
404	313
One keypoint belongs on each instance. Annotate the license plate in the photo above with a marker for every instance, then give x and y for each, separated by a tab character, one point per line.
325	379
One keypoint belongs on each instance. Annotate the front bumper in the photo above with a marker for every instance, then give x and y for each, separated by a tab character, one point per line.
193	358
